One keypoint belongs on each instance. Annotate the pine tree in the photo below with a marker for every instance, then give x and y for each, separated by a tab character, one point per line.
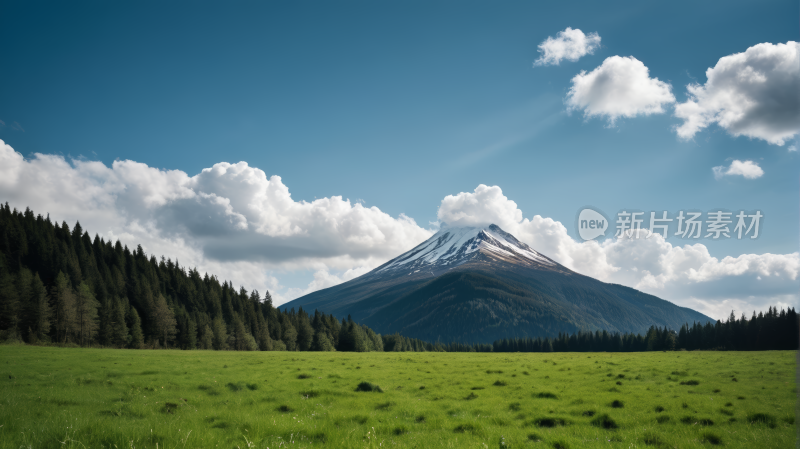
263	338
207	338
191	334
135	324
9	306
305	333
289	333
321	342
63	300
86	313
220	331
119	329
39	311
163	320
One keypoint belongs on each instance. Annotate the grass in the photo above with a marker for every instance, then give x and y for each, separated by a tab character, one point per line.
76	398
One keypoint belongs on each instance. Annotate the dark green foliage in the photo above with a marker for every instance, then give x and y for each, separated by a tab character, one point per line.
712	438
588	413
550	422
471	396
659	409
464	428
368	386
321	342
285	409
617	404
604	421
499	383
690	382
169	407
771	331
60	286
762	418
304	376
662	419
545	395
694	420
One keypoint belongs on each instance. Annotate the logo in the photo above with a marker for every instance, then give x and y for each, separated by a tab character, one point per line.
591	224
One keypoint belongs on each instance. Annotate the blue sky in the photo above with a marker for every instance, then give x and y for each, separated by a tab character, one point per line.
396	104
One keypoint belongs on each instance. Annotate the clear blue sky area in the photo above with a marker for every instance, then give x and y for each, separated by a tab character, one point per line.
395	103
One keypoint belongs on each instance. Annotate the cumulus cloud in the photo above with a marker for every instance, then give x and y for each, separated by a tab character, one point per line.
751	94
748	169
620	87
568	44
230	219
792	148
687	275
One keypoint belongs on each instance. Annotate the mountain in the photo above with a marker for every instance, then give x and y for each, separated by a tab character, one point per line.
480	284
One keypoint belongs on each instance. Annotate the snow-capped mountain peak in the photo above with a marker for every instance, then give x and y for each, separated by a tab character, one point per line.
453	246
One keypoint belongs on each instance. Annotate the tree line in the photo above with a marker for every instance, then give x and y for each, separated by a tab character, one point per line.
763	331
60	286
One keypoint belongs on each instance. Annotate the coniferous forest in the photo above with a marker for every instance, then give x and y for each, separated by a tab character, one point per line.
61	286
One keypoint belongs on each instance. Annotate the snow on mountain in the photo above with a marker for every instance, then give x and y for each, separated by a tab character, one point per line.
453	246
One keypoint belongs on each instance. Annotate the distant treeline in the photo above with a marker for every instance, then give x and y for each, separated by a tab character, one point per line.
773	330
60	286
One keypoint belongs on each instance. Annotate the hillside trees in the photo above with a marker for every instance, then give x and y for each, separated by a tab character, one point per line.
59	285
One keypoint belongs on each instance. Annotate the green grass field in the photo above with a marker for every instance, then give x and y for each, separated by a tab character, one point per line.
92	398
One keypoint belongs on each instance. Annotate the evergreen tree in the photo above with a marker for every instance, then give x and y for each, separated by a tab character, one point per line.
86	313
163	320
289	336
9	306
207	338
135	324
39	312
305	333
321	342
220	332
119	329
63	300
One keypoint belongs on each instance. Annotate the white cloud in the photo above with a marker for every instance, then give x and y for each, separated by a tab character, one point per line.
324	279
620	87
748	169
231	219
751	94
792	148
687	275
568	44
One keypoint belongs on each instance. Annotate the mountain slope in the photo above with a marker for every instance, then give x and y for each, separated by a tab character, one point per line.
481	284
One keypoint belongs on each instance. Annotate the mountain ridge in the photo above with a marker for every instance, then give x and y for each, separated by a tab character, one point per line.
509	290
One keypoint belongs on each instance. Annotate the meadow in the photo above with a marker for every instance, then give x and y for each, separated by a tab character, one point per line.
94	398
